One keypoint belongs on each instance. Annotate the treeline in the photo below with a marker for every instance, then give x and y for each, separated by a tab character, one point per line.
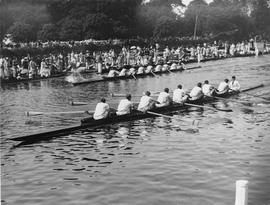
46	20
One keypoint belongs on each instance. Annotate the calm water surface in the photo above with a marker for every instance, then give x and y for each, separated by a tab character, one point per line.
151	161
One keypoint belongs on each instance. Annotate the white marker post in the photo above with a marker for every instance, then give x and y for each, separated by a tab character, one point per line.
241	194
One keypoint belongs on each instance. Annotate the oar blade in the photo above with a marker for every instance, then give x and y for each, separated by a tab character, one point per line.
32	113
78	103
224	110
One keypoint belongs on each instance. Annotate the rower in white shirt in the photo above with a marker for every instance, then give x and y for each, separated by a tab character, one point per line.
165	67
148	69
179	95
234	84
132	71
207	89
102	110
123	72
196	93
173	66
125	106
141	70
146	102
113	73
223	87
164	98
158	68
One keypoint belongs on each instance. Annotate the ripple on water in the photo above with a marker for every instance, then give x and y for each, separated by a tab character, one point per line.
150	161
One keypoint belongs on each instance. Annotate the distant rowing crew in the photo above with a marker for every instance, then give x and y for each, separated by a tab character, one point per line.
164	99
141	70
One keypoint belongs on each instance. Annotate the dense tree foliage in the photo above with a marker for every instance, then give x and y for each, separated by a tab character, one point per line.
22	32
45	20
48	32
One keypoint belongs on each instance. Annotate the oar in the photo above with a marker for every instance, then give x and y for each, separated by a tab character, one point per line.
124	95
227	99
33	113
265	99
169	71
154	74
170	117
208	107
78	103
134	76
190	68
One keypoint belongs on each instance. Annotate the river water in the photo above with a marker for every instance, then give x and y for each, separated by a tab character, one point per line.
151	161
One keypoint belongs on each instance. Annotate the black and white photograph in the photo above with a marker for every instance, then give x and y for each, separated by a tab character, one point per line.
135	102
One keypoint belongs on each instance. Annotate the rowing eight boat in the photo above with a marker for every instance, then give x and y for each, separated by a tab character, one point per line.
91	123
105	78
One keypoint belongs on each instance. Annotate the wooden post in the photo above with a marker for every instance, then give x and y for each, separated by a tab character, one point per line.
241	194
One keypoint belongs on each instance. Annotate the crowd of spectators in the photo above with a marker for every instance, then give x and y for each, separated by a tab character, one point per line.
49	65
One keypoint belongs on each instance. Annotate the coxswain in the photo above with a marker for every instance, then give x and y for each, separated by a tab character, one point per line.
179	95
149	69
112	73
102	110
196	93
123	72
125	106
207	89
146	102
158	68
234	84
223	87
140	70
164	98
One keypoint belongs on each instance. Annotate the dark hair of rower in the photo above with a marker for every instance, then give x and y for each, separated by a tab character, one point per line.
179	86
206	82
103	100
233	77
166	90
199	84
128	96
226	80
147	93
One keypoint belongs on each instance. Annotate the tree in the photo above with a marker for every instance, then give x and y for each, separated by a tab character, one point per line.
120	30
261	16
48	33
6	20
71	29
164	27
34	14
22	32
97	26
